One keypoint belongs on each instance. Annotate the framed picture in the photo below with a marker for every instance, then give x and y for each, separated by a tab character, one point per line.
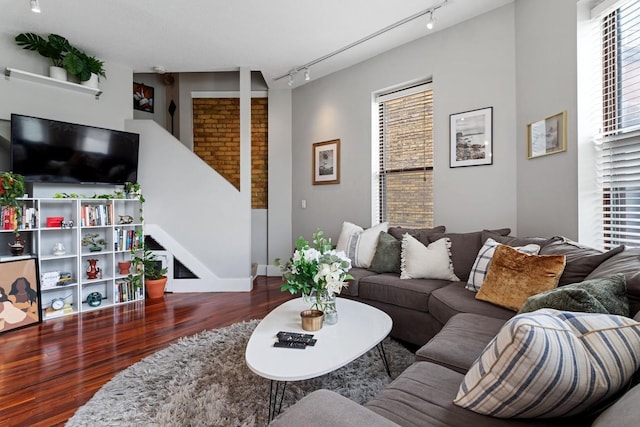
143	97
20	302
547	136
471	138
326	162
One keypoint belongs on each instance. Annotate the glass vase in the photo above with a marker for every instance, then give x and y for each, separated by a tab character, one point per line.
321	300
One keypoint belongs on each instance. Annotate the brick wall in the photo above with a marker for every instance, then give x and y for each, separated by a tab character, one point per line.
216	140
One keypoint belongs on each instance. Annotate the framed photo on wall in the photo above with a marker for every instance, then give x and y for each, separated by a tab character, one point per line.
471	138
326	162
143	97
20	301
547	136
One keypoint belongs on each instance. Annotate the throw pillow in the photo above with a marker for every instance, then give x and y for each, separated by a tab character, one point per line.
386	259
418	261
483	260
606	295
464	248
628	263
551	364
358	244
422	234
581	259
513	277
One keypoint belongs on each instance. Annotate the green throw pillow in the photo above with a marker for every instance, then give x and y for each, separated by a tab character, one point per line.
606	295
387	256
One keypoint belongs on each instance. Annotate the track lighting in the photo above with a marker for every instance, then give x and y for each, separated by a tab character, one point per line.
35	6
431	22
307	77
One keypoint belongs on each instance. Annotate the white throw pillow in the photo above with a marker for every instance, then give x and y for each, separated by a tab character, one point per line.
552	363
418	261
483	261
358	244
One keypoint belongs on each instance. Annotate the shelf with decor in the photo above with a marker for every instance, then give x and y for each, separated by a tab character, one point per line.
62	84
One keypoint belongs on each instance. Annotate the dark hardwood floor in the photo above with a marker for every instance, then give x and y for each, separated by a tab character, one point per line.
49	370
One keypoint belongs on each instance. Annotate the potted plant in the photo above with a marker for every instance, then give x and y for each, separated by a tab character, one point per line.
54	47
76	64
94	241
96	68
147	263
11	188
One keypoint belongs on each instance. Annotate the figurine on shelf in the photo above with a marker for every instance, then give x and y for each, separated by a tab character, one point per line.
93	270
17	246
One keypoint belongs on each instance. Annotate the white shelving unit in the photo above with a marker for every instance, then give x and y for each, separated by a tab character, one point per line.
75	260
37	78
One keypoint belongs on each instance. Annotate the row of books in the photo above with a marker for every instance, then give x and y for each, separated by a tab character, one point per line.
96	216
27	220
125	291
125	240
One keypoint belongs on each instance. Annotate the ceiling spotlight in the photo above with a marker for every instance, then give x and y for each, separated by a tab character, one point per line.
431	22
290	82
159	69
35	6
307	77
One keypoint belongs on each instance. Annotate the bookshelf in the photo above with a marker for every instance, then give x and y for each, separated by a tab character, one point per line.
56	238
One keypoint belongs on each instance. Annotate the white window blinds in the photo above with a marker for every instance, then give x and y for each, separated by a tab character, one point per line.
620	129
405	180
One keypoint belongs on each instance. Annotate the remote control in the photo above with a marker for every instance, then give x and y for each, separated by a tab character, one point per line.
291	344
286	335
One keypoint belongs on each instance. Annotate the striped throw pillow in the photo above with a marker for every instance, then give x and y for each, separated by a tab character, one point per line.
483	260
552	363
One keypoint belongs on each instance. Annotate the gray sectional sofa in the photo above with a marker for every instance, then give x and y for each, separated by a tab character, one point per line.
450	328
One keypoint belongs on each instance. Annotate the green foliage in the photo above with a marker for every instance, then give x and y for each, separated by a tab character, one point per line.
145	261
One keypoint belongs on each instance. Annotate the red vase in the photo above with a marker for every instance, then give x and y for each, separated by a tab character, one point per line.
93	270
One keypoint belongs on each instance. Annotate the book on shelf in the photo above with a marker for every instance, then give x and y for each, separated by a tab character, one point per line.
96	215
26	220
50	312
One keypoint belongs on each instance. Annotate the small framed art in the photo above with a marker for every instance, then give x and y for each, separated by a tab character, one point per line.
143	97
471	138
547	136
326	162
20	302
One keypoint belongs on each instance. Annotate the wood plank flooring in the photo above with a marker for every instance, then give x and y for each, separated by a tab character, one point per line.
50	370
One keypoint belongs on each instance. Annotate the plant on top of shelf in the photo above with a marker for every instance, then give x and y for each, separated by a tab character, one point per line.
53	47
94	241
11	187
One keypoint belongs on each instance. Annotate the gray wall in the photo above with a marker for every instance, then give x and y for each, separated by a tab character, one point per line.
473	66
546	75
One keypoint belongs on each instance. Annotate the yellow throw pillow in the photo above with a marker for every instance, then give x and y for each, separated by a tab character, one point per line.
514	276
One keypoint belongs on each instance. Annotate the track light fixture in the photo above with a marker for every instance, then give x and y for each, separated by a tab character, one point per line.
431	21
430	24
35	6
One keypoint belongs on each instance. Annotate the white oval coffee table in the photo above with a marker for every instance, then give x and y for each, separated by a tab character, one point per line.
360	328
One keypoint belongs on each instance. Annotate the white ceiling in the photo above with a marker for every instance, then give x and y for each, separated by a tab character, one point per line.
271	36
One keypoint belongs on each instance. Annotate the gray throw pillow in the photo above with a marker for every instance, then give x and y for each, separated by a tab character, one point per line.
607	295
386	259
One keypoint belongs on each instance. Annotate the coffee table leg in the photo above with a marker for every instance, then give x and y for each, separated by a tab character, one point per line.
384	358
273	398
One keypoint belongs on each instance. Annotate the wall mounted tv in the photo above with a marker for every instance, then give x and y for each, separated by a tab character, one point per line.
46	150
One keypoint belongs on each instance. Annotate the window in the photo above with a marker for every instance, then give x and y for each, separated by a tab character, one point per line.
405	165
620	137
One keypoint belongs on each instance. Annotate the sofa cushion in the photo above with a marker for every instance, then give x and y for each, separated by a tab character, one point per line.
354	284
422	234
514	276
386	259
464	248
453	299
460	341
423	396
628	263
581	259
418	261
409	293
516	241
552	364
483	260
358	244
348	233
606	295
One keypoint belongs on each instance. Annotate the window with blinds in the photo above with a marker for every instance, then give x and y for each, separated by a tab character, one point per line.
620	138
405	175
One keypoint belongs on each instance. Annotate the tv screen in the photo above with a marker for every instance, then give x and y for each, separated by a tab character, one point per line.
46	150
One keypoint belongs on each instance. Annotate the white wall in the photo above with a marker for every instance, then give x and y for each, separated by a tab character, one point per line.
473	66
546	74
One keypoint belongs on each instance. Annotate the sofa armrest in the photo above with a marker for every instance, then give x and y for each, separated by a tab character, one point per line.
326	408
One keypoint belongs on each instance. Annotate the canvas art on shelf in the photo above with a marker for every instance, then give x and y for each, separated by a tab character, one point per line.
20	303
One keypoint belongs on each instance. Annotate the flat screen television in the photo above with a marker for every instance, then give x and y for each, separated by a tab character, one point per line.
46	150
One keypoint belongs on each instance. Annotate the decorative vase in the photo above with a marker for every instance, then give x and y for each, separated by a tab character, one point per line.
311	320
92	82
324	302
123	267
17	246
155	287
58	73
93	270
